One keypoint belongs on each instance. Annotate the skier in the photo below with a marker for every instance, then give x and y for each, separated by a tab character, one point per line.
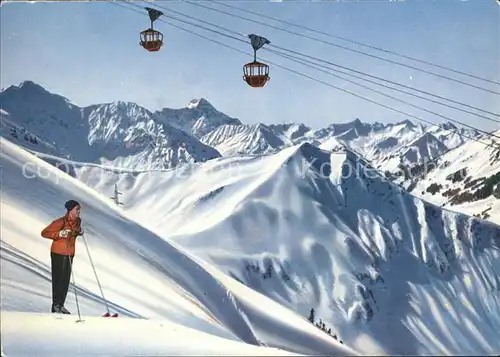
63	232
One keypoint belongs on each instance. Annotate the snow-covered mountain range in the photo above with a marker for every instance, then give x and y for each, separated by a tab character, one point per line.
116	134
128	136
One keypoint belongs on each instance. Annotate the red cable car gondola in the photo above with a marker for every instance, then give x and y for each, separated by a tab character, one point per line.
256	74
151	39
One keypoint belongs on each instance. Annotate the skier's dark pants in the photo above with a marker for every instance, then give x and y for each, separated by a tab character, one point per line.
61	273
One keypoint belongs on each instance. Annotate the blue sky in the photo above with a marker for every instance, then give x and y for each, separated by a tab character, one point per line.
89	52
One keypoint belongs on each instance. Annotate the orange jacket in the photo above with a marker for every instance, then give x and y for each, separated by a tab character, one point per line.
64	246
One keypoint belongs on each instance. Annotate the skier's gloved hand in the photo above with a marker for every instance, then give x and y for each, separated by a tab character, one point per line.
80	233
63	234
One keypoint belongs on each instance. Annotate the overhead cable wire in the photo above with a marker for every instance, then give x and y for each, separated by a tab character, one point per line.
354	42
371	89
386	80
337	65
398	99
330	70
343	47
316	80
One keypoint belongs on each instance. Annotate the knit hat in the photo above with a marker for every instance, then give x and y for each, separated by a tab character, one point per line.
70	205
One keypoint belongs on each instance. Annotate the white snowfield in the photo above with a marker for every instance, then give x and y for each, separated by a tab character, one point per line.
387	272
169	302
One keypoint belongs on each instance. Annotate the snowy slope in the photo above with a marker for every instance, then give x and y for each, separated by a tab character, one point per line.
198	118
231	140
464	179
115	134
17	132
387	272
56	121
162	293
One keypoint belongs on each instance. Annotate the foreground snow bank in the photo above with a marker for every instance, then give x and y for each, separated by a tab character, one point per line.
28	334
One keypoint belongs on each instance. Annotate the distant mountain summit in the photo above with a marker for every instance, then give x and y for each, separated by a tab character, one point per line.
198	118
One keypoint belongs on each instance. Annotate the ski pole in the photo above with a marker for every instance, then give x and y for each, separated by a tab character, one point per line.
95	273
74	284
